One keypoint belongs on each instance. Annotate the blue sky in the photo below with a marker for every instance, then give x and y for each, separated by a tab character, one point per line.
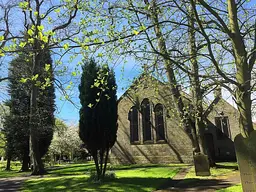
65	110
70	113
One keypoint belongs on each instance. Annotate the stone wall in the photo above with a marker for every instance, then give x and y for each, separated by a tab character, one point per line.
177	148
224	148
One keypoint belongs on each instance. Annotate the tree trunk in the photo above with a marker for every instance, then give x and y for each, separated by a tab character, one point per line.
25	159
243	75
8	164
197	94
38	167
101	161
184	116
25	163
105	163
96	161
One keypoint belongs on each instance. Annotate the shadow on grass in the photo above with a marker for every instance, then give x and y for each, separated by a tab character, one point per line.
13	173
70	169
196	184
232	167
137	166
69	166
82	169
82	184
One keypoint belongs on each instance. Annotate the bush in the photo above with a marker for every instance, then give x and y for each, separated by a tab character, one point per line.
109	175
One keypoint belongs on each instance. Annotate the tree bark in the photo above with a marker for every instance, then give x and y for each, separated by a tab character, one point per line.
184	116
197	94
38	167
105	163
101	160
243	75
8	164
25	163
96	162
25	159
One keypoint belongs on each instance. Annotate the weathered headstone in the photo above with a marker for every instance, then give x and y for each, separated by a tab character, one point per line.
201	165
246	157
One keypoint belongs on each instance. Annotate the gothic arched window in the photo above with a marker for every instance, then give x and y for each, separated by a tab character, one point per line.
134	124
159	122
146	124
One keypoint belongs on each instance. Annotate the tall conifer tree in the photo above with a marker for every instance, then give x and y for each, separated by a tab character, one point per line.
98	114
19	104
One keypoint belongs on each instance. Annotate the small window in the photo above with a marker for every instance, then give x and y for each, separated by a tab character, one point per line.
223	129
146	124
159	122
134	124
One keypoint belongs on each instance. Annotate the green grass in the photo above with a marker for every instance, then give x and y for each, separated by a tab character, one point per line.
236	188
70	169
221	169
15	167
128	178
75	177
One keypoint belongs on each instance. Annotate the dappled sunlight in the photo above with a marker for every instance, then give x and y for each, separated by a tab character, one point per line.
161	172
82	184
221	169
71	169
76	178
14	172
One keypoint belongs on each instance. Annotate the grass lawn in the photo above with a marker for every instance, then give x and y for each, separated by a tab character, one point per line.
222	170
15	167
75	177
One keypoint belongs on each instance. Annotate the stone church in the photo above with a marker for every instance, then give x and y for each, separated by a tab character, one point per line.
149	130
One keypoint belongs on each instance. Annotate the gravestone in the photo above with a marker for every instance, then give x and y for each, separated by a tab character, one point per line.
201	165
246	157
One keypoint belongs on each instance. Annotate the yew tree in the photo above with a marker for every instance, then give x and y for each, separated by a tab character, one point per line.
98	114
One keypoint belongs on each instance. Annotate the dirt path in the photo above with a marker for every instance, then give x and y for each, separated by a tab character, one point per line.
12	184
178	183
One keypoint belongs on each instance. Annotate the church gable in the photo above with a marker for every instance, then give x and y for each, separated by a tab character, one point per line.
149	129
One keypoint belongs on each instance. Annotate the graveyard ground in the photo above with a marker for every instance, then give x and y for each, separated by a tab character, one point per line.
78	177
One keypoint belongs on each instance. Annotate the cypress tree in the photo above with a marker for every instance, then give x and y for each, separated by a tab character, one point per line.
17	121
98	114
46	105
19	105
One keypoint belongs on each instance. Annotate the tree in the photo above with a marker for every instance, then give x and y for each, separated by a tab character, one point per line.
46	103
9	139
19	110
225	47
236	31
65	141
2	144
98	114
147	23
19	105
3	112
5	33
57	16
